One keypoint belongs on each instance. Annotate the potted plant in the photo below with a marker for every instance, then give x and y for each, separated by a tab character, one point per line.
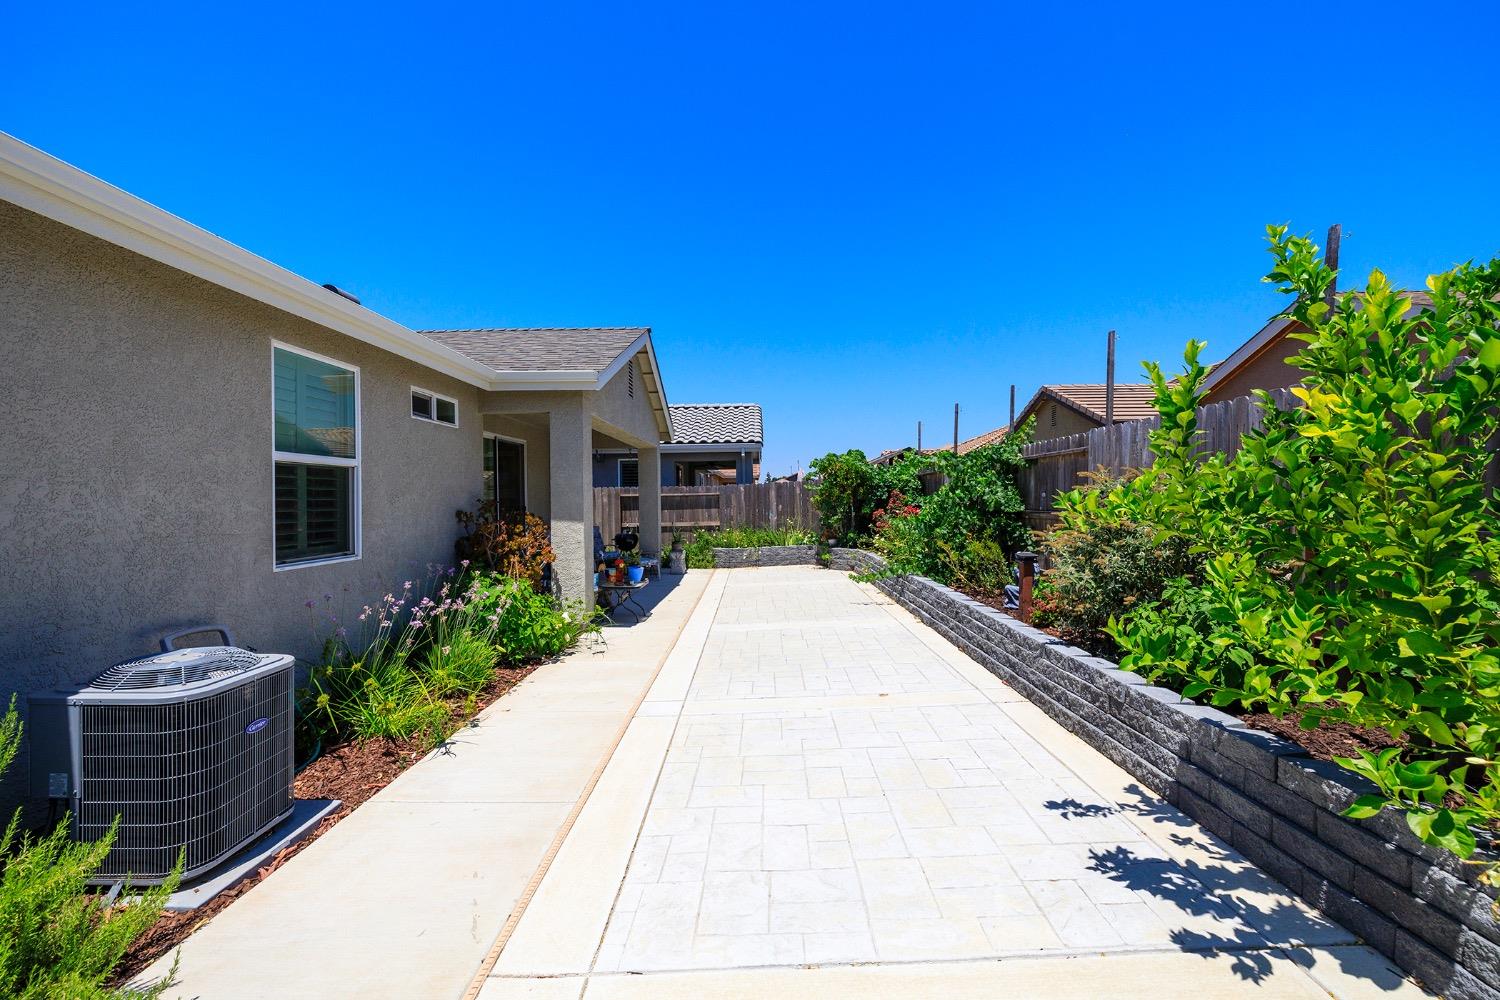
634	571
676	558
618	574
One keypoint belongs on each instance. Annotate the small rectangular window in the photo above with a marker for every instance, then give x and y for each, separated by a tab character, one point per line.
430	406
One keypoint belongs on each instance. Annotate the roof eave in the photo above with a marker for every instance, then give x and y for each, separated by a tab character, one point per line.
51	188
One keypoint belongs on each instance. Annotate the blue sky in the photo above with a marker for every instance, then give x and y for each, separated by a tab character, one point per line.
856	215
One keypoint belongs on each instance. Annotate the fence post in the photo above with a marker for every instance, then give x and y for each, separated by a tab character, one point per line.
1026	563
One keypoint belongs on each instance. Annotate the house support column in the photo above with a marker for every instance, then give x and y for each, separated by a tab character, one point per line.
571	435
650	498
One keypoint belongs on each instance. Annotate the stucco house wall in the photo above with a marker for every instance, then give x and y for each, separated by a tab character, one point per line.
1054	420
1267	370
138	469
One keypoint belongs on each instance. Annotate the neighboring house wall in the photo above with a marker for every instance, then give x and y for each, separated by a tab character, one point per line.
747	469
1054	420
1267	370
138	470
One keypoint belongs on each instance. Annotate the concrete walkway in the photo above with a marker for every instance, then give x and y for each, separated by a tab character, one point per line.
404	898
817	797
845	805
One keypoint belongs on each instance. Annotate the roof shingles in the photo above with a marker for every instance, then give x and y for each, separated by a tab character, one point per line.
716	423
541	349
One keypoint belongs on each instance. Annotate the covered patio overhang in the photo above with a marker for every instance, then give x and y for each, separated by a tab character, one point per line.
558	432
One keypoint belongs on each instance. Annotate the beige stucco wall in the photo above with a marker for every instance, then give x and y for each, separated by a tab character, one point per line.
137	486
1067	421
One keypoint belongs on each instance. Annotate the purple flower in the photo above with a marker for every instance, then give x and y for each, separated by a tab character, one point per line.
341	632
309	604
327	597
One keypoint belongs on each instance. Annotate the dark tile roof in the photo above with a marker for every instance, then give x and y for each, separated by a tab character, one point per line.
540	349
716	423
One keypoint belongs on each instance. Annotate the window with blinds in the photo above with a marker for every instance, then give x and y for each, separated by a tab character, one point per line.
630	473
316	457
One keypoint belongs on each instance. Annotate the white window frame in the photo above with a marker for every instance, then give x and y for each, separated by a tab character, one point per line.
355	513
525	478
620	472
433	397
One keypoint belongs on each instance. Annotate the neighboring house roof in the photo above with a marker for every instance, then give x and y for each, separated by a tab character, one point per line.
1133	401
1267	337
544	349
45	185
981	440
716	423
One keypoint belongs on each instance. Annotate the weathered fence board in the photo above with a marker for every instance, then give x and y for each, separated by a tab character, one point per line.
689	509
1060	464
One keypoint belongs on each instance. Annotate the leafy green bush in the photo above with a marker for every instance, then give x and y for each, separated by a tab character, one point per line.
1353	569
970	527
847	490
1099	568
700	551
58	941
529	625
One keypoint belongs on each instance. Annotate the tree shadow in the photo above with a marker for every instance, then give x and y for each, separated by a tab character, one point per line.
1234	908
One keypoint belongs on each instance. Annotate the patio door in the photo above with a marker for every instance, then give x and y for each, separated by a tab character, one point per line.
504	473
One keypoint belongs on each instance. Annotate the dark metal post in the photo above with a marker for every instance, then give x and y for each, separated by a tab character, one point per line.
1109	383
1026	563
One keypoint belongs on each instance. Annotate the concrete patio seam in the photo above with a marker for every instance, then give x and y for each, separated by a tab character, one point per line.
477	982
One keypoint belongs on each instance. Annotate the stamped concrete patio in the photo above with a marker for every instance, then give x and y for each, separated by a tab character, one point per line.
781	784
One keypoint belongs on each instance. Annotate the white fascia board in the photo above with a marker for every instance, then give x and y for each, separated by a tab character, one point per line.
714	446
664	410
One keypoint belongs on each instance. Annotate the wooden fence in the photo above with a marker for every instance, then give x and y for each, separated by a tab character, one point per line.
1059	464
689	509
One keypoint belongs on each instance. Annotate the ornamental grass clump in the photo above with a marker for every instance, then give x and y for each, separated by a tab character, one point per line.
1351	564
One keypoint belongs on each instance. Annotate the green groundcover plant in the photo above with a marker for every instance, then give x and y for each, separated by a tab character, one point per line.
58	941
1350	560
700	551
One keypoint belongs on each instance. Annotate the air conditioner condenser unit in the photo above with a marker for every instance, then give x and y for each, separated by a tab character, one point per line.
193	751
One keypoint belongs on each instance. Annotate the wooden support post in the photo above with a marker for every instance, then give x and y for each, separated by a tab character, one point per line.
919	437
1026	564
1012	425
955	428
1331	258
1109	382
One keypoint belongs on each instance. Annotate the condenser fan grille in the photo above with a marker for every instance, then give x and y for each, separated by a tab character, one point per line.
198	776
179	667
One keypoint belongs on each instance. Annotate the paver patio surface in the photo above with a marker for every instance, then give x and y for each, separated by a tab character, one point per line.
844	804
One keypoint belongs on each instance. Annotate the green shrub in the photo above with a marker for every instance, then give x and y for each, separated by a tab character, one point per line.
700	551
969	528
847	490
1102	568
1353	569
529	625
58	941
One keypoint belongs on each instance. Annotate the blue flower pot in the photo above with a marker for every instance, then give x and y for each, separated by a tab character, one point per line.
635	574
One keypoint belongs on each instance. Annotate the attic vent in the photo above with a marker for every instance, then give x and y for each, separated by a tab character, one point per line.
1053	414
335	289
630	379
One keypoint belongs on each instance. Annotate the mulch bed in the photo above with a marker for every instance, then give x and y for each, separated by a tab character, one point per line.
353	773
